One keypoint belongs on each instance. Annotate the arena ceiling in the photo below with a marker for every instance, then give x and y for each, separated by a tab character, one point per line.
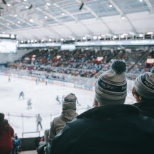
67	19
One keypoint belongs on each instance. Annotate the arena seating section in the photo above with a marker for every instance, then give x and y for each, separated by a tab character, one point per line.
82	63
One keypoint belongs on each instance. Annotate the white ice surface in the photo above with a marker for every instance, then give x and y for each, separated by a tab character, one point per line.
43	102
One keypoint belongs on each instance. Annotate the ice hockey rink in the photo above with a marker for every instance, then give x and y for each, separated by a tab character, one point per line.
44	102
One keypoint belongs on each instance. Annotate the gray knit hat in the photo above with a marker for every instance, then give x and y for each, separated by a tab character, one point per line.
69	102
111	86
144	84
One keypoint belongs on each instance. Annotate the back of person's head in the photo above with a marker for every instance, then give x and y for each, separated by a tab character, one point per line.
144	85
111	86
4	125
69	102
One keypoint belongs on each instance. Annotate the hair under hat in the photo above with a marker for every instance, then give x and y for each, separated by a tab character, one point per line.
144	85
111	86
69	102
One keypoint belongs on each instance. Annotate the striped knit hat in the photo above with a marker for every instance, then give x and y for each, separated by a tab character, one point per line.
111	86
144	84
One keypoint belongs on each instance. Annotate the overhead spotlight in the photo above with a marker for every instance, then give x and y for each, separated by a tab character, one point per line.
4	2
141	35
80	8
122	17
31	20
84	38
94	37
48	4
109	4
30	6
8	4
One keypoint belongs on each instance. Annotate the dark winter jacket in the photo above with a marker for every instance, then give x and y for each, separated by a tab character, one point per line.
116	129
146	107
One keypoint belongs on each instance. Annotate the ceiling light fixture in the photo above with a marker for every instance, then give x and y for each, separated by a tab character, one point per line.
110	5
122	17
99	37
8	4
31	20
149	33
48	4
140	35
45	17
84	38
94	37
18	22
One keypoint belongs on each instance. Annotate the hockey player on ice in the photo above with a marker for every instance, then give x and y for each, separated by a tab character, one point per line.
29	104
9	79
39	121
58	99
21	94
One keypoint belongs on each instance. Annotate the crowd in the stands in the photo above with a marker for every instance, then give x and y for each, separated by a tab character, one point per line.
84	63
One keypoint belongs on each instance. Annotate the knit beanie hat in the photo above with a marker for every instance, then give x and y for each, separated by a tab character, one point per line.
1	117
69	102
144	84
111	86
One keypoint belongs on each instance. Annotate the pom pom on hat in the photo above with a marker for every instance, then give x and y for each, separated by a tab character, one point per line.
119	66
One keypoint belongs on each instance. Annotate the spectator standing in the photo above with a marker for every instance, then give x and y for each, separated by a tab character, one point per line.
112	126
6	134
39	121
143	92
